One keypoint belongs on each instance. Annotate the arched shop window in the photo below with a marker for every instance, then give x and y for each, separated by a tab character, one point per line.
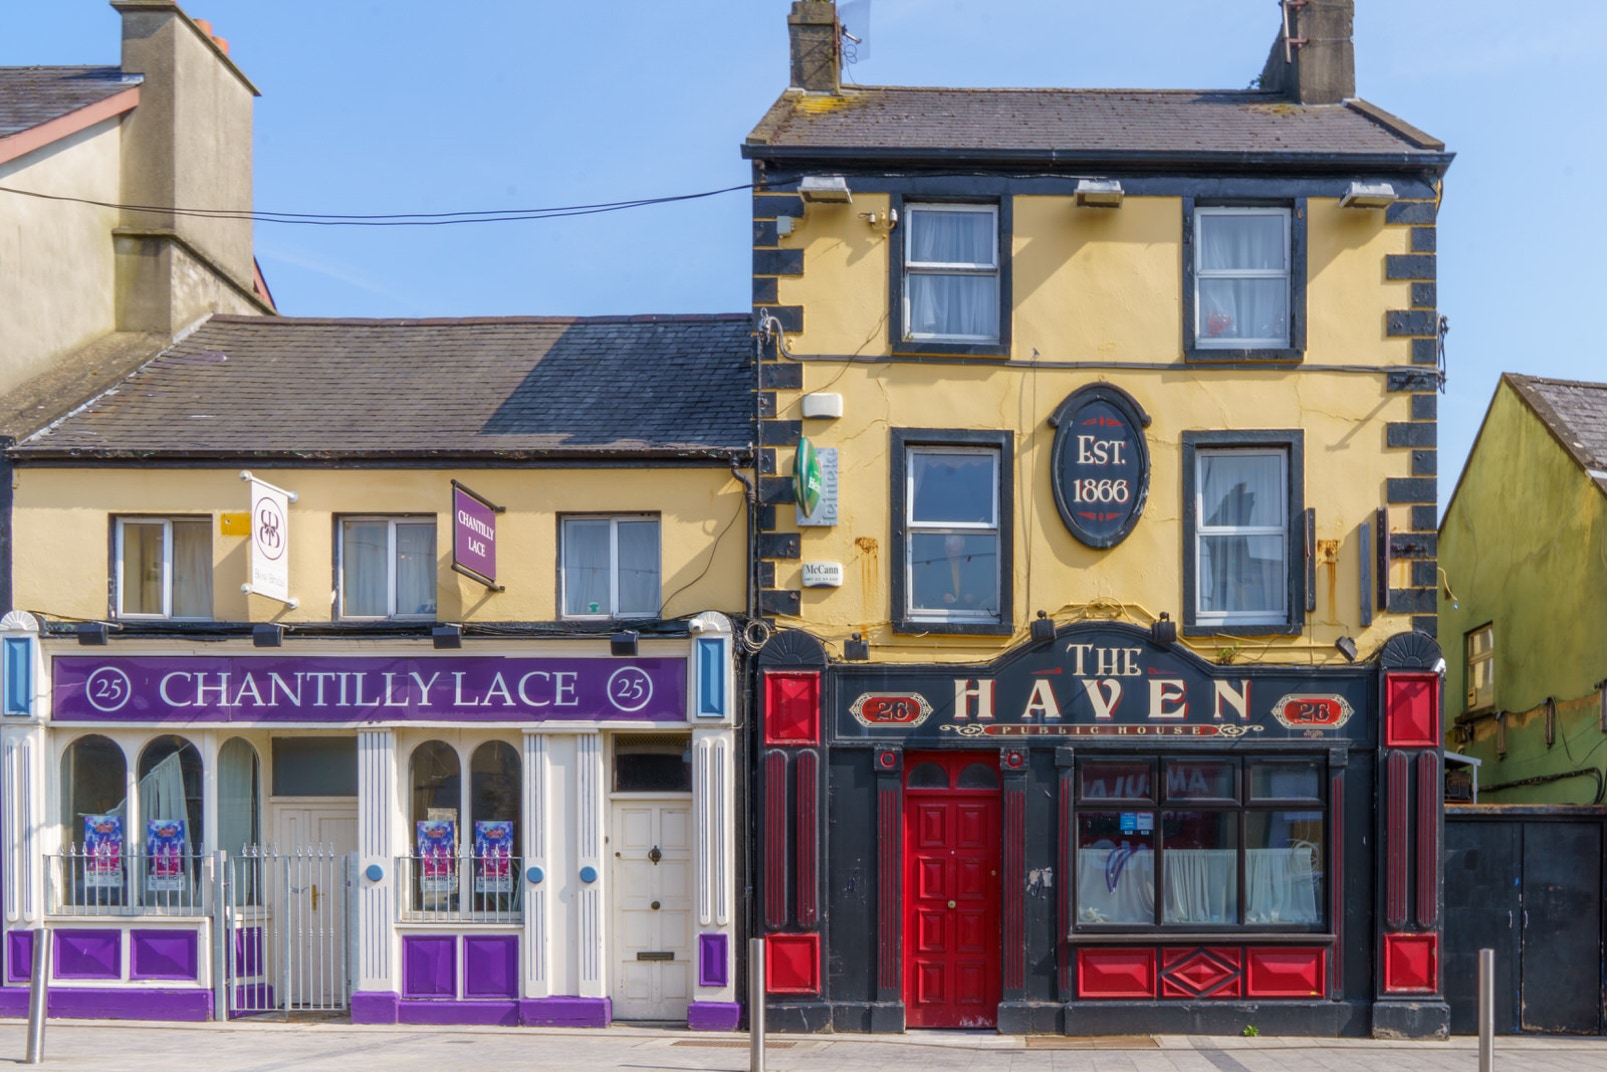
239	800
436	777
94	785
170	819
494	809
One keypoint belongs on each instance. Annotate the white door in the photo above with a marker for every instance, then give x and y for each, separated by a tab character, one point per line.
310	900
652	891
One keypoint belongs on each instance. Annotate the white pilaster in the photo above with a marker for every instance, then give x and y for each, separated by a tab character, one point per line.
21	788
376	847
538	975
590	815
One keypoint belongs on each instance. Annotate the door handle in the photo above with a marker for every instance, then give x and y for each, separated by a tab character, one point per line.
1525	919
655	855
315	897
951	904
1509	919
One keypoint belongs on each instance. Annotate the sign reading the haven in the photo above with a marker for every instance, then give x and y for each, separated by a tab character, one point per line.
1100	469
1106	681
275	688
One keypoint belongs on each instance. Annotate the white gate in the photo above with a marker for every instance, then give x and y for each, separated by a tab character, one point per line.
284	921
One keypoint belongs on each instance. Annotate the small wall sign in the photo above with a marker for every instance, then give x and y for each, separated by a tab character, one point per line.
474	536
822	574
824	512
1100	467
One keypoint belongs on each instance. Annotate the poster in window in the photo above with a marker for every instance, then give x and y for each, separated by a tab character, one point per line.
103	851
493	856
164	853
437	850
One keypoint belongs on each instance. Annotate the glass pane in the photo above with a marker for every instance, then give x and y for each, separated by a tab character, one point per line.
1244	242
238	805
1283	867
653	767
494	782
953	305
315	766
1480	641
951	237
1242	574
142	568
494	809
927	776
1115	781
638	568
978	776
1201	866
1241	489
415	568
586	552
436	831
364	569
1285	781
1116	867
436	782
950	488
1200	781
954	574
170	786
1244	309
94	781
192	568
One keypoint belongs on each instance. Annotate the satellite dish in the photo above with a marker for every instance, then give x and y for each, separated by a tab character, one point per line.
855	18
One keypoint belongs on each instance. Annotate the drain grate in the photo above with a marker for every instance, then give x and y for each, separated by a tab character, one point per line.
731	1044
1103	1042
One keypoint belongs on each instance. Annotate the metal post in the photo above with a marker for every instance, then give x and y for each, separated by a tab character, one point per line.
38	996
755	1005
1486	1009
220	936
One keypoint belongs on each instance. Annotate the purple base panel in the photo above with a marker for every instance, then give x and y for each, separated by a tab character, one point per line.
566	1012
127	1004
713	1015
256	999
247	952
374	1007
86	954
492	1013
490	966
19	956
164	954
429	966
712	961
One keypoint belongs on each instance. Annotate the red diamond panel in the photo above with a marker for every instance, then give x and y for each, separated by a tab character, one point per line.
1192	973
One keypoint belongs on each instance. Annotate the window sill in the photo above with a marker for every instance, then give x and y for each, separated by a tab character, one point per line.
1227	355
909	626
1269	629
935	348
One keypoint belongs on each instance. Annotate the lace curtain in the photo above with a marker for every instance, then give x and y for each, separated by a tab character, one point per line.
1117	885
953	303
1243	280
1242	572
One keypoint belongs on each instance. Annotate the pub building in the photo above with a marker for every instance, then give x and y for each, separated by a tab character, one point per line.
1104	696
421	713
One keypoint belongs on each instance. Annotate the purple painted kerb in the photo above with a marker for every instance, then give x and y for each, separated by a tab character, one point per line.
474	534
356	689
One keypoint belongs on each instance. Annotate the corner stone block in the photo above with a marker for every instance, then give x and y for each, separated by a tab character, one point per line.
1409	322
1406	266
779	545
1411	433
778	262
1414	212
1403	489
780	601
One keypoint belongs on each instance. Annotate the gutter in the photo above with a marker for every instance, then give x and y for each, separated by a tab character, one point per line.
1103	160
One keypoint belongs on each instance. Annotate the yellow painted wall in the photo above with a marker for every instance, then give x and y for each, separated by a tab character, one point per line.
1524	546
1101	286
62	533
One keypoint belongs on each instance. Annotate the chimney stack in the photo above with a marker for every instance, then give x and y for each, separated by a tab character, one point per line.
816	46
1314	62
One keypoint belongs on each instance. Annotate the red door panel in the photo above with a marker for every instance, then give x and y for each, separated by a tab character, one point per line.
951	911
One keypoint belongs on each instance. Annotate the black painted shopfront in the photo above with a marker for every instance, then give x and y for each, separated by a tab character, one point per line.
1100	833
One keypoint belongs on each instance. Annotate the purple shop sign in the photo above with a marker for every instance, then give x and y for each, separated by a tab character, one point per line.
474	536
358	689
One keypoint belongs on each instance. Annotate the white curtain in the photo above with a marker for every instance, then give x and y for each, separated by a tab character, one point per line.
1233	306
415	569
363	549
952	303
1115	885
1282	885
237	796
638	567
1242	572
161	795
192	569
1202	886
586	567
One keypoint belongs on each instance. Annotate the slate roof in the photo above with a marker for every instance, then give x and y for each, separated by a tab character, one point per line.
30	96
1082	122
1576	413
255	387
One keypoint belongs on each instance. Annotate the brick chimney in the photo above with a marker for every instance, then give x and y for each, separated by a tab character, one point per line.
1317	62
816	46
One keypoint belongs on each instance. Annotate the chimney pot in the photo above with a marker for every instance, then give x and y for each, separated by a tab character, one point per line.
1316	62
223	45
816	46
204	26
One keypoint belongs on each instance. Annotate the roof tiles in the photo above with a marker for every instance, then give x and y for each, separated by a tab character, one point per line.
30	96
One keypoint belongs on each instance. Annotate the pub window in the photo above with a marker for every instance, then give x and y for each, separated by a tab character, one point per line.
435	833
92	870
1241	276
170	821
163	568
1481	668
494	801
387	567
1227	842
951	273
649	763
239	796
611	567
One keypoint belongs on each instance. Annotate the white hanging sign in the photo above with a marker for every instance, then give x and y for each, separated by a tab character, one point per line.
270	541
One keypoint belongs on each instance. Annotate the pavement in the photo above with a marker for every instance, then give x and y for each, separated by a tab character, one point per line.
339	1047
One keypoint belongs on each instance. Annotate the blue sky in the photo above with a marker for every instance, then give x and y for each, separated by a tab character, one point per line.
406	106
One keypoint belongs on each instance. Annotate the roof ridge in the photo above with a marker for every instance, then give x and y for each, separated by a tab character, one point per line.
1525	378
469	321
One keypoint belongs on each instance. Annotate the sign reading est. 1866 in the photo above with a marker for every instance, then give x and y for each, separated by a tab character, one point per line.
1101	464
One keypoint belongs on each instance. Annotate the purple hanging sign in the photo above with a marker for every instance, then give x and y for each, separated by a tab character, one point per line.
358	689
474	536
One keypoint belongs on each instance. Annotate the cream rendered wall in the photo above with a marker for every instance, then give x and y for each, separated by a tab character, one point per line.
62	532
1102	287
57	271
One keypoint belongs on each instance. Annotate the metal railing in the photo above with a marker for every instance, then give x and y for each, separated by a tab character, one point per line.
446	888
84	882
285	929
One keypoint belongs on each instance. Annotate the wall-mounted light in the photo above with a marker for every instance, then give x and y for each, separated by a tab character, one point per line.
267	635
447	637
91	633
1043	628
1099	193
1368	195
623	643
1163	630
856	648
1347	648
830	189
882	222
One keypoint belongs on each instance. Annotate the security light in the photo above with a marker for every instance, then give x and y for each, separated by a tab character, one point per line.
1099	193
1368	195
827	188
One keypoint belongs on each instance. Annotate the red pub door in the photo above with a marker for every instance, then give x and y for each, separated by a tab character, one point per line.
951	889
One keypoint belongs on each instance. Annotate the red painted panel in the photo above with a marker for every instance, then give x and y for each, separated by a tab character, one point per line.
1274	972
1412	710
1202	973
1014	976
951	902
807	795
1428	839
889	866
1336	867
791	707
1397	836
1063	868
1411	963
1116	973
775	838
792	963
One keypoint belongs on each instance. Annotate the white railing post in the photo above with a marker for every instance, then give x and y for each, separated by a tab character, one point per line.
220	936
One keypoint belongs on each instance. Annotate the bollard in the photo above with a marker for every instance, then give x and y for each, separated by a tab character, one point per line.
755	1005
38	995
220	936
1486	1010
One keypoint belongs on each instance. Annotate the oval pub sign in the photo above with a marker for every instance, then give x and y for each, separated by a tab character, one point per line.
1101	463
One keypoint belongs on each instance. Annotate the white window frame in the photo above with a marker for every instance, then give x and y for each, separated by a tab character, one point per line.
392	521
1201	273
1280	615
913	527
166	613
613	567
1479	700
915	267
